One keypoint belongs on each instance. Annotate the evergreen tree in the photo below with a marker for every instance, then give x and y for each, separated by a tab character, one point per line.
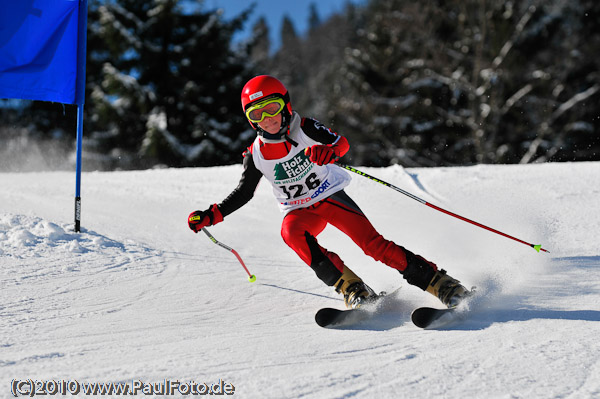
168	84
568	121
260	43
313	17
460	82
286	63
309	67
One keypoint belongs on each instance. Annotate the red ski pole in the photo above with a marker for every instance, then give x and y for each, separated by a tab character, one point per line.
437	208
251	277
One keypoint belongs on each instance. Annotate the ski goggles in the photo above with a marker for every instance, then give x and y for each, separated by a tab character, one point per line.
266	108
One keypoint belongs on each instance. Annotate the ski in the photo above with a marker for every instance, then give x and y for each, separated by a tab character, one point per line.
422	317
425	316
329	317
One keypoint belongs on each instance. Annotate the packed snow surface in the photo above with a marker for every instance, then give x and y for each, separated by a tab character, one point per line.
137	298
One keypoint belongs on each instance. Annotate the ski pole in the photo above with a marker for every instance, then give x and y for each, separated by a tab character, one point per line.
437	208
251	277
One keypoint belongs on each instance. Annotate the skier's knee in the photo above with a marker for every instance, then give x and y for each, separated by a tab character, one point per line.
287	236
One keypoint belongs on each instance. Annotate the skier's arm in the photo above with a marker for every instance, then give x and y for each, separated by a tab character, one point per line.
238	198
333	145
245	189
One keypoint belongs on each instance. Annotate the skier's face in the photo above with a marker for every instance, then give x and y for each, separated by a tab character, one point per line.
271	124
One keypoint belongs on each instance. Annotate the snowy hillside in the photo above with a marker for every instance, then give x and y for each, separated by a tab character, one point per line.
137	298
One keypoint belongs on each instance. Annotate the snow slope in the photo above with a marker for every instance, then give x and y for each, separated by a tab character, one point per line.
137	297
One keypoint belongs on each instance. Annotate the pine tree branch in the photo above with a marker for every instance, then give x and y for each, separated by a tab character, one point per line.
510	43
546	126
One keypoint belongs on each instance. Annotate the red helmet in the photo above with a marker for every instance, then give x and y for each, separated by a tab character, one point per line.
263	87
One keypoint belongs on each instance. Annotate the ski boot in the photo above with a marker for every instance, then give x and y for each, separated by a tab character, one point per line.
359	294
333	272
447	289
425	275
356	292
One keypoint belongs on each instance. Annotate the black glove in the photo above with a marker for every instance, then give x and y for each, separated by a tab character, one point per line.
199	219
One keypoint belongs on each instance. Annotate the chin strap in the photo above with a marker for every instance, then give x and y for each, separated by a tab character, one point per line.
288	120
289	139
286	136
284	132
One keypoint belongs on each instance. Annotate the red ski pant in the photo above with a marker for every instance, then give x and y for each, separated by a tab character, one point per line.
340	211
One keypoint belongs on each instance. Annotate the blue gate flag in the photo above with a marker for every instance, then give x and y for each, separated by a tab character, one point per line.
39	45
42	57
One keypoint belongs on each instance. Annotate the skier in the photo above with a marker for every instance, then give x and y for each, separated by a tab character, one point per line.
295	155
